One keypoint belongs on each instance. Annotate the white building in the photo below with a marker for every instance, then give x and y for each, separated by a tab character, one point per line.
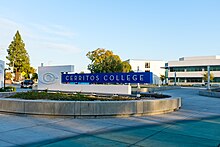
138	65
190	70
2	67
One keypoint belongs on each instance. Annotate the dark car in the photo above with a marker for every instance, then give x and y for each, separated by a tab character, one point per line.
27	84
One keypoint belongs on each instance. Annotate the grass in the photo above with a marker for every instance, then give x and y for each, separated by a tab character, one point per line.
67	97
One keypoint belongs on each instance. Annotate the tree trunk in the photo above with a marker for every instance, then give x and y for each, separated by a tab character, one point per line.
17	76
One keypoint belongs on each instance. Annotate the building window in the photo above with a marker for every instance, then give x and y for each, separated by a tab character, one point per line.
138	68
182	80
178	80
177	69
171	80
147	65
147	70
195	68
214	68
216	80
194	80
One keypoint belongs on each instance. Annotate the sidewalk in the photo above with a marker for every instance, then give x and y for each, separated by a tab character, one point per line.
196	124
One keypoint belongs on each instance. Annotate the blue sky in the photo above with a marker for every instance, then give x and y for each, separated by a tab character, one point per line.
61	32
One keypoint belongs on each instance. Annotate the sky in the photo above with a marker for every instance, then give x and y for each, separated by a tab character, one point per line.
61	32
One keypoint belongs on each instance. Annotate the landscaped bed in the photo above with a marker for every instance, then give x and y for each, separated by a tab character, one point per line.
33	95
85	105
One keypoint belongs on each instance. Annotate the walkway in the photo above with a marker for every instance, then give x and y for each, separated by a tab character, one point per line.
196	124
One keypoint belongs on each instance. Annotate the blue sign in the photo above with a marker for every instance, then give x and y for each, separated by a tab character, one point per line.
132	77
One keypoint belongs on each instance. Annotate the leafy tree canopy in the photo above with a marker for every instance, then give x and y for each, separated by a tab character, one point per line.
8	75
104	61
34	76
126	67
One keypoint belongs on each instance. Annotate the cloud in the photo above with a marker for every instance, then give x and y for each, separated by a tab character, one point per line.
62	47
54	30
51	37
8	24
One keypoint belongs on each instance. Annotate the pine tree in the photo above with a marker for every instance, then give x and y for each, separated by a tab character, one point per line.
18	57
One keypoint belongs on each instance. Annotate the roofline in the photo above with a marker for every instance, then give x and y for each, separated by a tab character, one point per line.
144	60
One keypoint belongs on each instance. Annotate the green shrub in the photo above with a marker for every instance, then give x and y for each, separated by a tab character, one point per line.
33	95
8	89
50	96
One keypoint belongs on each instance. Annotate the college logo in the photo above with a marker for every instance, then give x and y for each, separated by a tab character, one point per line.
49	78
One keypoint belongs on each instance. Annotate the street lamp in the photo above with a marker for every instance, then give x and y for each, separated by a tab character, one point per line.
5	75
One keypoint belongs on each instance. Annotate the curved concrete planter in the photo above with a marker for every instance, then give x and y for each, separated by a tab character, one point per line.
210	94
154	89
7	94
89	108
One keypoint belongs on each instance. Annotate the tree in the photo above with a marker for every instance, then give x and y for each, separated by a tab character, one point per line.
162	78
8	76
126	66
104	61
112	64
34	76
205	77
98	59
18	57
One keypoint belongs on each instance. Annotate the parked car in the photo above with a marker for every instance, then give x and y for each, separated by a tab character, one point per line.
27	84
215	85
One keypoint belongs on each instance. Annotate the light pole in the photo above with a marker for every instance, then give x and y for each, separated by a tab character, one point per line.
5	75
138	85
208	82
175	78
4	78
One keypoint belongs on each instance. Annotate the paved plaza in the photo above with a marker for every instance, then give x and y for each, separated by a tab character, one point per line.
197	123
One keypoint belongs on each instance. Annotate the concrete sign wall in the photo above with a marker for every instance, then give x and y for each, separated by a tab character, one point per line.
49	77
2	67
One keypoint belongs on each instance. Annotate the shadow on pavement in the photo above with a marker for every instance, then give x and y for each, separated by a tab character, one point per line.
203	131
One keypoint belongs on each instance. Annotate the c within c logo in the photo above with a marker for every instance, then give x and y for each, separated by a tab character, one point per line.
49	78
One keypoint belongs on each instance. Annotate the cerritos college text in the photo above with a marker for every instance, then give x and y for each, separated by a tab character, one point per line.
143	77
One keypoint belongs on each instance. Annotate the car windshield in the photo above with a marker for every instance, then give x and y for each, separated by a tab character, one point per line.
28	81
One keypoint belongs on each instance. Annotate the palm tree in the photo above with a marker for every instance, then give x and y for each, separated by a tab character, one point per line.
162	78
205	77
